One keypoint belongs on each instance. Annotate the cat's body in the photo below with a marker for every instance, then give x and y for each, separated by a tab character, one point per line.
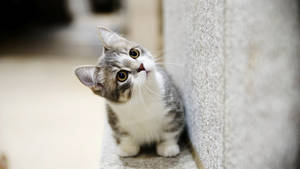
143	110
143	104
149	116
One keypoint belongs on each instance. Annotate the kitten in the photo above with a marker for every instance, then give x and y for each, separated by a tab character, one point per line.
143	105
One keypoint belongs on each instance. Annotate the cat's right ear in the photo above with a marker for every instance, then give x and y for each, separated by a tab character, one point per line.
86	75
108	37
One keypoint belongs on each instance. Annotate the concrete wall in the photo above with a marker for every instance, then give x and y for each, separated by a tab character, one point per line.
239	78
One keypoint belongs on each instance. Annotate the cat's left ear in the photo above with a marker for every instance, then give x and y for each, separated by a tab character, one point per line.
87	76
108	37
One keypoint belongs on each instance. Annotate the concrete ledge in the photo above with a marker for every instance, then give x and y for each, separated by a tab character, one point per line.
147	159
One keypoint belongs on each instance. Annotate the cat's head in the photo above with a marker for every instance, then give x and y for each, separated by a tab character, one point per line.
123	67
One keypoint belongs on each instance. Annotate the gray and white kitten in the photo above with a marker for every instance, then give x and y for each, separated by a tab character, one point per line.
143	104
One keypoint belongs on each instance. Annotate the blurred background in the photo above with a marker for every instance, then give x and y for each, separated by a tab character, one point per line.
47	118
236	63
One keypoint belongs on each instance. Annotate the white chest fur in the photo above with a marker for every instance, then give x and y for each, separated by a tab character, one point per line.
144	115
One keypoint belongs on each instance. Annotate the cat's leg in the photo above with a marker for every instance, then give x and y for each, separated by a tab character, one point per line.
168	146
128	147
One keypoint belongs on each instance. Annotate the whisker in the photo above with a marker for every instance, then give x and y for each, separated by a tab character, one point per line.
151	91
172	64
142	99
140	95
160	95
162	62
162	51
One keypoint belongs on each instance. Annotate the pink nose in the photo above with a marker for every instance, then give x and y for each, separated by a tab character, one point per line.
141	68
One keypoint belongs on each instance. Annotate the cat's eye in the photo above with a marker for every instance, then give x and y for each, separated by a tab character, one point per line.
122	75
134	53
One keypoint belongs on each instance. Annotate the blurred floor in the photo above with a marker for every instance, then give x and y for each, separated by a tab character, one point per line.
48	120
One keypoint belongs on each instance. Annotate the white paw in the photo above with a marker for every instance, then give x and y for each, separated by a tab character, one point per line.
128	150
167	149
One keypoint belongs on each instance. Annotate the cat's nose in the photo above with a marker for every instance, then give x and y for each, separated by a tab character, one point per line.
141	68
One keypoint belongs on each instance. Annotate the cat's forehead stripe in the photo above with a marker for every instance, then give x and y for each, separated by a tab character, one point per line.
116	64
126	62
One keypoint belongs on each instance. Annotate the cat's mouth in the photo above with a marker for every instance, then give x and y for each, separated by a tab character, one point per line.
142	68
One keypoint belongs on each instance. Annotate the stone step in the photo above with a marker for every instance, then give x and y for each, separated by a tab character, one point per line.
147	159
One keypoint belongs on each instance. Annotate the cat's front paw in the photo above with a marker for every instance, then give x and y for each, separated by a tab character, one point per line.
128	150
167	149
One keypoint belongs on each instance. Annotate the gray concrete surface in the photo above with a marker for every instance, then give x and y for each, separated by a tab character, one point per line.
147	158
262	83
239	74
194	55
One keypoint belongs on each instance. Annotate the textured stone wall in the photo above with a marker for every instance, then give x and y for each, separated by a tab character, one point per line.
236	63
